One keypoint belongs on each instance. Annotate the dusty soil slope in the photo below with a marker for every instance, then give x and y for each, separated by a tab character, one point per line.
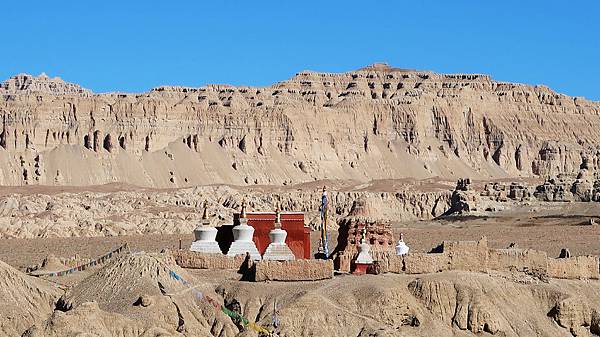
25	300
377	122
138	286
443	304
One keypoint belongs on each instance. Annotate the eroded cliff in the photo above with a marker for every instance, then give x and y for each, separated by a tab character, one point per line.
373	123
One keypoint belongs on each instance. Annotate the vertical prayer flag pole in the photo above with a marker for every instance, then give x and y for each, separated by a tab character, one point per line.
324	247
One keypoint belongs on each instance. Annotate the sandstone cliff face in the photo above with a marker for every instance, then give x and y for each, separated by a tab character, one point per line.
374	123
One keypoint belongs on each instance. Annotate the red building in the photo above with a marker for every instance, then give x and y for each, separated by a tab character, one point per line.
298	236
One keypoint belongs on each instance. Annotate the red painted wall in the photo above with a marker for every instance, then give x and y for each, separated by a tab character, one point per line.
292	222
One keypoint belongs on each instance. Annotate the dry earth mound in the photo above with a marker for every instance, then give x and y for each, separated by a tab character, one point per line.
25	300
137	297
138	287
443	304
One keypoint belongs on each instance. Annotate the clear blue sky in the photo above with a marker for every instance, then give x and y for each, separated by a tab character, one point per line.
135	45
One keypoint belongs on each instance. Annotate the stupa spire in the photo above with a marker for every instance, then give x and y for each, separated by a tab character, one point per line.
205	212
243	210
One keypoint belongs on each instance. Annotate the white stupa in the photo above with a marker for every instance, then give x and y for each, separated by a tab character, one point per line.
364	255
242	236
205	235
278	250
401	247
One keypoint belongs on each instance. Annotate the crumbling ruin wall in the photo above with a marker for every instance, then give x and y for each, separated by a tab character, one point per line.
379	236
390	264
462	255
197	260
421	263
518	259
467	255
296	270
578	267
343	262
476	256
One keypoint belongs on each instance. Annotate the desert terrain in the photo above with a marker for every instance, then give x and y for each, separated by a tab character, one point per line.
81	174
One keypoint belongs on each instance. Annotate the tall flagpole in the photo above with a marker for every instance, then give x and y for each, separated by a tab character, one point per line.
324	237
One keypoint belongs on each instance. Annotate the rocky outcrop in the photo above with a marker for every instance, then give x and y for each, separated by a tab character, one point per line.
585	186
463	200
42	84
166	304
377	122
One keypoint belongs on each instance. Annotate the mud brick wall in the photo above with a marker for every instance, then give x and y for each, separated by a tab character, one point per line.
578	267
197	260
297	270
467	255
518	259
421	263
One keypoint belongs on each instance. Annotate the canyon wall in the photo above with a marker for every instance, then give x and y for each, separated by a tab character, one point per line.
377	122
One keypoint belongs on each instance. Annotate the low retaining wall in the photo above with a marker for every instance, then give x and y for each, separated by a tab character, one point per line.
467	255
197	260
297	270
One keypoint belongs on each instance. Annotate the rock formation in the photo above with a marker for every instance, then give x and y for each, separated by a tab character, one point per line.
584	186
463	199
137	211
377	122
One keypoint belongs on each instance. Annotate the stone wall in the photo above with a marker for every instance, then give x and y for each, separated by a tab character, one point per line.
462	255
297	270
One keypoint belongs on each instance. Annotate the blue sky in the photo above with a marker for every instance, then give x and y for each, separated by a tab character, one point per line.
136	45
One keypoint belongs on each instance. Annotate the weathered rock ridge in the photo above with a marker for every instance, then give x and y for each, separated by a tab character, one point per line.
377	122
139	211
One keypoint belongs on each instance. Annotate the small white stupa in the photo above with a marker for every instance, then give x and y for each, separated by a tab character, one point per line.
278	250
364	256
401	247
242	236
205	235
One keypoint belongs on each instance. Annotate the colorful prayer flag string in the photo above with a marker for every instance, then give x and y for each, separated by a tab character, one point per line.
324	236
84	266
